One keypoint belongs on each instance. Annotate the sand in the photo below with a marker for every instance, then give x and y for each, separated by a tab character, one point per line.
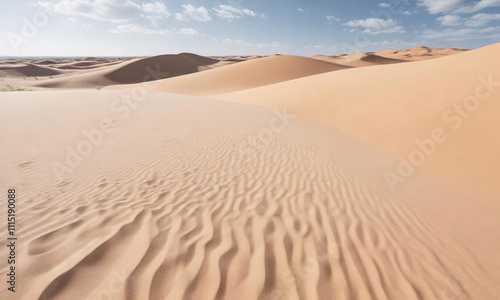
256	183
244	75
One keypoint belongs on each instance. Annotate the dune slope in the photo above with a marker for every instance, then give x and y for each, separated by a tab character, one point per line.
244	75
217	201
391	106
359	60
26	70
133	71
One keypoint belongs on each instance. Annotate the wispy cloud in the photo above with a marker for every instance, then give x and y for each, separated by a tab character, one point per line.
376	26
450	20
483	4
456	6
186	31
439	6
241	43
135	28
331	19
193	13
235	42
463	34
229	12
107	10
481	20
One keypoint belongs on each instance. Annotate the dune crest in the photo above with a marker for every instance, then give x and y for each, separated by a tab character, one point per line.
245	75
368	103
268	180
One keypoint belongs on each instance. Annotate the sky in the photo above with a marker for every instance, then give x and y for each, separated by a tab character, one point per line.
241	27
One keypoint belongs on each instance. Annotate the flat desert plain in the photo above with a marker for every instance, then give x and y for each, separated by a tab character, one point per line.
360	176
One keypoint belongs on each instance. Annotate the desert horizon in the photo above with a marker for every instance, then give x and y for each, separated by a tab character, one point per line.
349	152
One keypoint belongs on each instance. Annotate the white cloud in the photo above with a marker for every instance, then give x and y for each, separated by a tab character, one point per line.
229	12
481	20
479	6
344	48
315	47
300	9
135	28
274	46
236	42
241	43
107	10
193	13
463	34
384	5
187	31
331	18
450	20
439	6
376	26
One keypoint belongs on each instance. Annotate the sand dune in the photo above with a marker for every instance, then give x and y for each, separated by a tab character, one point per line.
419	53
99	72
133	71
389	56
184	212
244	75
84	65
169	65
359	60
392	105
26	70
273	188
439	130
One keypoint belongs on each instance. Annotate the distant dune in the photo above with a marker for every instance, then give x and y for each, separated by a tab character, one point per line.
169	65
392	105
359	60
245	75
132	71
420	53
368	176
26	70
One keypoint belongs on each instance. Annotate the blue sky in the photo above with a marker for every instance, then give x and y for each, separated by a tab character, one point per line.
243	27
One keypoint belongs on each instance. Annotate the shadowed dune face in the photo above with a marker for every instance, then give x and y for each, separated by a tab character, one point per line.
84	65
361	60
96	73
184	212
164	66
245	75
27	70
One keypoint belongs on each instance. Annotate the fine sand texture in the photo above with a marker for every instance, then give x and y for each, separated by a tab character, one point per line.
392	105
255	177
